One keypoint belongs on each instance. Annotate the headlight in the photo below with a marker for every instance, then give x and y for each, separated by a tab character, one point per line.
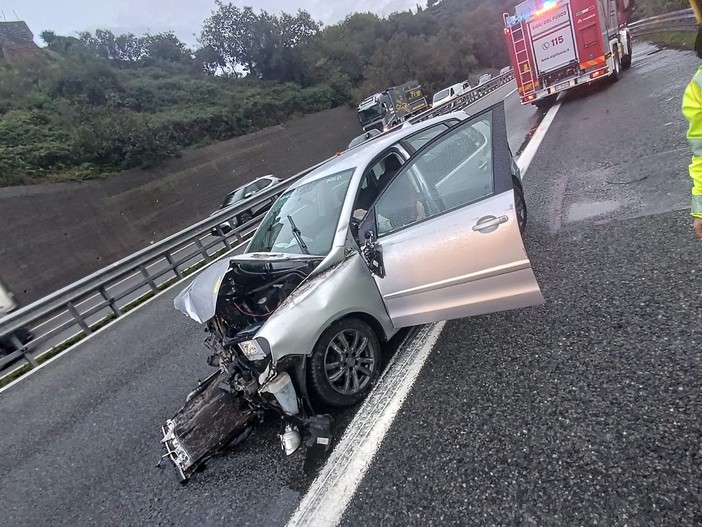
252	350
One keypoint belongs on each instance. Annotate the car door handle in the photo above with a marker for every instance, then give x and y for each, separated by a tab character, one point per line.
488	224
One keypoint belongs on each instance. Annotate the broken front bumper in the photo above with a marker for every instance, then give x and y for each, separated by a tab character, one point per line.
210	420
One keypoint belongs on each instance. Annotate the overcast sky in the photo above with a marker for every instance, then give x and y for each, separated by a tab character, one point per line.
182	16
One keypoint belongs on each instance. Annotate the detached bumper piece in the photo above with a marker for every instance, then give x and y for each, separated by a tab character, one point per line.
209	421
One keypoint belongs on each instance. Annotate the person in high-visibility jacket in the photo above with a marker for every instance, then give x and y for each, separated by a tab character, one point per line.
692	109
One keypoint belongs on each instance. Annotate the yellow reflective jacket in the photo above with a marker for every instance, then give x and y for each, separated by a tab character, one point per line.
692	109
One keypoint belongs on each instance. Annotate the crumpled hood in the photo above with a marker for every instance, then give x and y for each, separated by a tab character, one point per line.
199	299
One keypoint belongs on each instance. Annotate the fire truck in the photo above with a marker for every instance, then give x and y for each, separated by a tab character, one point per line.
556	45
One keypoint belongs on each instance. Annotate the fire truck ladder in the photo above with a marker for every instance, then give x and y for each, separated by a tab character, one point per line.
525	73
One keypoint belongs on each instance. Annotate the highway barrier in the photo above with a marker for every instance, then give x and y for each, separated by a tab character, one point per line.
89	303
677	21
464	100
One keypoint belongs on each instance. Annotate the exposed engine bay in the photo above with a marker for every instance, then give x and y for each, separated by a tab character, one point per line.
235	298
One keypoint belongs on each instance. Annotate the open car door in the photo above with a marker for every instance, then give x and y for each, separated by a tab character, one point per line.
443	240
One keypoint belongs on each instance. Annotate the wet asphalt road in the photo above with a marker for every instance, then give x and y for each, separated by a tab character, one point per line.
80	438
584	409
587	410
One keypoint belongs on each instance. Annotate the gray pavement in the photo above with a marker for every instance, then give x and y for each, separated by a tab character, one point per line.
585	411
80	437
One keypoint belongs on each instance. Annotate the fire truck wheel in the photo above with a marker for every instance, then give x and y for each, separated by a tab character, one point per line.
626	59
617	64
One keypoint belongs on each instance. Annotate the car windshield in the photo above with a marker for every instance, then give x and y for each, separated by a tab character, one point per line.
441	95
233	197
369	114
304	219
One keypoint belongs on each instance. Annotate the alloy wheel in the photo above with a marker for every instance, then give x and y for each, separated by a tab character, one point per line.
349	363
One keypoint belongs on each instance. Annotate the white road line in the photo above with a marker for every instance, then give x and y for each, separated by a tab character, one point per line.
530	151
510	93
332	490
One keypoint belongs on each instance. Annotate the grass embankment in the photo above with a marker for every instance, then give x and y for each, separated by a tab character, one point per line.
673	39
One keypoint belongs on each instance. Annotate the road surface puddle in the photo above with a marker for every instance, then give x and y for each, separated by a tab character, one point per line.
583	211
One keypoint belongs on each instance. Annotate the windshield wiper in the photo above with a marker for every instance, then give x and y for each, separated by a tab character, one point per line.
298	236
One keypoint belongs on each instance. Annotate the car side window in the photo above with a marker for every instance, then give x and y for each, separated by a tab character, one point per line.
417	141
374	181
454	171
250	189
262	183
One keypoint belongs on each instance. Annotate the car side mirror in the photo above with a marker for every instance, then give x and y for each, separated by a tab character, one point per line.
373	255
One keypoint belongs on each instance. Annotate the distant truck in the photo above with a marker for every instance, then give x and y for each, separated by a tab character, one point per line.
451	92
384	110
556	45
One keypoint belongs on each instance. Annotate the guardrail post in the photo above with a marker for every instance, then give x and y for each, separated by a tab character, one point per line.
224	238
78	318
24	350
110	301
173	266
203	251
148	278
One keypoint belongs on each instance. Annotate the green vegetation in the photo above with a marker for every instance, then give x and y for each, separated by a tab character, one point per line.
100	103
647	8
673	39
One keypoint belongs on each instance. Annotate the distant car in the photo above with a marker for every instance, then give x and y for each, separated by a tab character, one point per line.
451	92
484	78
364	137
505	70
242	193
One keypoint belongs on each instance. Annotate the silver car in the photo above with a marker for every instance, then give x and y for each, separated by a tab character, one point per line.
419	226
241	194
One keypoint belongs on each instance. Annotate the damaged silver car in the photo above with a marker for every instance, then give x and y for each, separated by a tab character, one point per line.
419	226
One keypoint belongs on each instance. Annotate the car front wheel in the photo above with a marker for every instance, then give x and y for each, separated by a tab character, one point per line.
345	363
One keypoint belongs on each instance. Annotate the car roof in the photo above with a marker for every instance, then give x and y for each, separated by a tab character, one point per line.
366	152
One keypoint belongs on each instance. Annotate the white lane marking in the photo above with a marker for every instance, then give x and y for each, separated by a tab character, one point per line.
108	326
530	151
332	490
510	93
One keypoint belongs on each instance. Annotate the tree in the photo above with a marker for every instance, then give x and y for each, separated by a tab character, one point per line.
126	48
262	44
166	47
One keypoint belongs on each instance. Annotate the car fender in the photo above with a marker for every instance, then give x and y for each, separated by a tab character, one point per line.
344	288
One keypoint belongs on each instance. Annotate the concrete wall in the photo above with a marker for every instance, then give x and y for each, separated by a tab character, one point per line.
53	235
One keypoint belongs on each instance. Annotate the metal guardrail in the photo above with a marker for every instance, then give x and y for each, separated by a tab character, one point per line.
677	21
180	251
464	100
187	248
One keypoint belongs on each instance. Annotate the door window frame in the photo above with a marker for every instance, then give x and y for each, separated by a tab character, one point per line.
501	169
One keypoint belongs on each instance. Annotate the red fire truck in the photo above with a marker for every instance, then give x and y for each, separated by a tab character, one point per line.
559	44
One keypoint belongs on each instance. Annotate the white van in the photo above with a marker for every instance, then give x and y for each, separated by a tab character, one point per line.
451	92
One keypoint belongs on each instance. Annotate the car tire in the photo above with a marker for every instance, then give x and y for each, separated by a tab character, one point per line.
345	363
520	209
244	218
